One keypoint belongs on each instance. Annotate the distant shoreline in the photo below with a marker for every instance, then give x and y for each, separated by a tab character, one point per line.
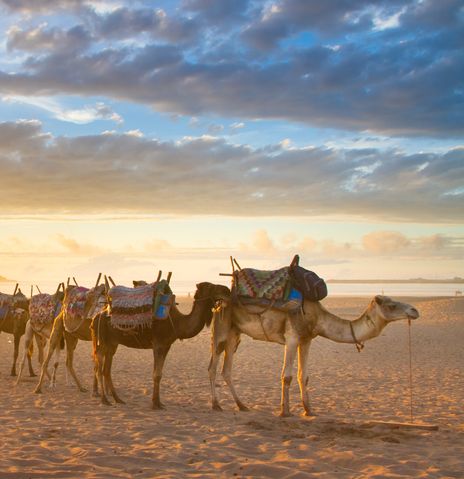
6	280
397	281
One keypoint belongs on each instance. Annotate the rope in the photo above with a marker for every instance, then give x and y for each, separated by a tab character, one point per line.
410	369
359	346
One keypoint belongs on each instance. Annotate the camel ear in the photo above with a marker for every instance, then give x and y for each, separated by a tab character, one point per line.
379	299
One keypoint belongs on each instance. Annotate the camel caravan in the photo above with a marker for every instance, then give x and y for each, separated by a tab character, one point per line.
281	306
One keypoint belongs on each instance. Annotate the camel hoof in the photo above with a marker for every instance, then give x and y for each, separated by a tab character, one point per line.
216	407
243	408
309	414
120	401
37	391
158	407
286	414
33	374
95	394
105	402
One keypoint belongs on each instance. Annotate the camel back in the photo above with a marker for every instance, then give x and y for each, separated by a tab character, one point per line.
82	303
282	288
137	307
254	283
43	308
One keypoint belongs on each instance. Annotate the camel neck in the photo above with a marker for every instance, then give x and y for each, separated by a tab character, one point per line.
332	327
189	325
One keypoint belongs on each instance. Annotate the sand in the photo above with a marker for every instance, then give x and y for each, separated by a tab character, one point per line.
65	433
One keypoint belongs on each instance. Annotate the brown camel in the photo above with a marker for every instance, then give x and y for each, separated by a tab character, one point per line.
295	332
159	337
42	311
13	319
80	305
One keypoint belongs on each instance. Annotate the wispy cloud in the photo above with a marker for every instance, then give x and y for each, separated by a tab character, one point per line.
88	114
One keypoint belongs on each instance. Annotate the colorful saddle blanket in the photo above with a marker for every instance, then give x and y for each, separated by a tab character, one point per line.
137	307
43	308
254	283
131	307
74	303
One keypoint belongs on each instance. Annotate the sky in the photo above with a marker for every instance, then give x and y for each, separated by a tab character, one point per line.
140	136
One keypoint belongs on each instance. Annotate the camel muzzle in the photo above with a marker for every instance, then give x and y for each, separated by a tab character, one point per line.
413	313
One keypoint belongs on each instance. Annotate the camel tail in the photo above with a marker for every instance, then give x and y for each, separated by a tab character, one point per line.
62	342
99	328
30	351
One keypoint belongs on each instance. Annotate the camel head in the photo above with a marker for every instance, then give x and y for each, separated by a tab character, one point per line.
389	310
138	283
20	301
20	316
211	291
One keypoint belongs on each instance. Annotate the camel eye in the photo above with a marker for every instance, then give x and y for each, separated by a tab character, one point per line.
391	307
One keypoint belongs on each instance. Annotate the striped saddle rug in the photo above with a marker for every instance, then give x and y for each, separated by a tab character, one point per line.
43	309
254	283
132	307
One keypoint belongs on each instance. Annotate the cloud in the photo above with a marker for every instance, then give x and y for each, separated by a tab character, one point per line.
385	242
146	176
157	246
401	79
374	245
76	248
81	116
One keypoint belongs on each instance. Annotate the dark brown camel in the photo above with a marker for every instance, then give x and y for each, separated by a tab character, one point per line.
159	338
14	314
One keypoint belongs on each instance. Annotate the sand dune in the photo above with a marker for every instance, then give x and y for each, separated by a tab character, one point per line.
64	433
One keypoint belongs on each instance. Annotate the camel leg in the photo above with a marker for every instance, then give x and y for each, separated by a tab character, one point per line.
95	391
220	328
17	338
160	352
28	338
231	346
99	354
71	343
287	371
53	343
212	371
100	358
108	378
30	351
56	363
303	375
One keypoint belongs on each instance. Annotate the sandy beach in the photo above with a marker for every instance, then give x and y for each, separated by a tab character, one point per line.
65	433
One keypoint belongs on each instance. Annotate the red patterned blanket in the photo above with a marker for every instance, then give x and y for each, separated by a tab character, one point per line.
43	309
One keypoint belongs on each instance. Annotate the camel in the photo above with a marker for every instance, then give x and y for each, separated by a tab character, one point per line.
13	319
295	332
42	311
74	324
159	337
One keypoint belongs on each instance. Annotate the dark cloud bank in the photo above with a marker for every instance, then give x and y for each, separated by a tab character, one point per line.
327	64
